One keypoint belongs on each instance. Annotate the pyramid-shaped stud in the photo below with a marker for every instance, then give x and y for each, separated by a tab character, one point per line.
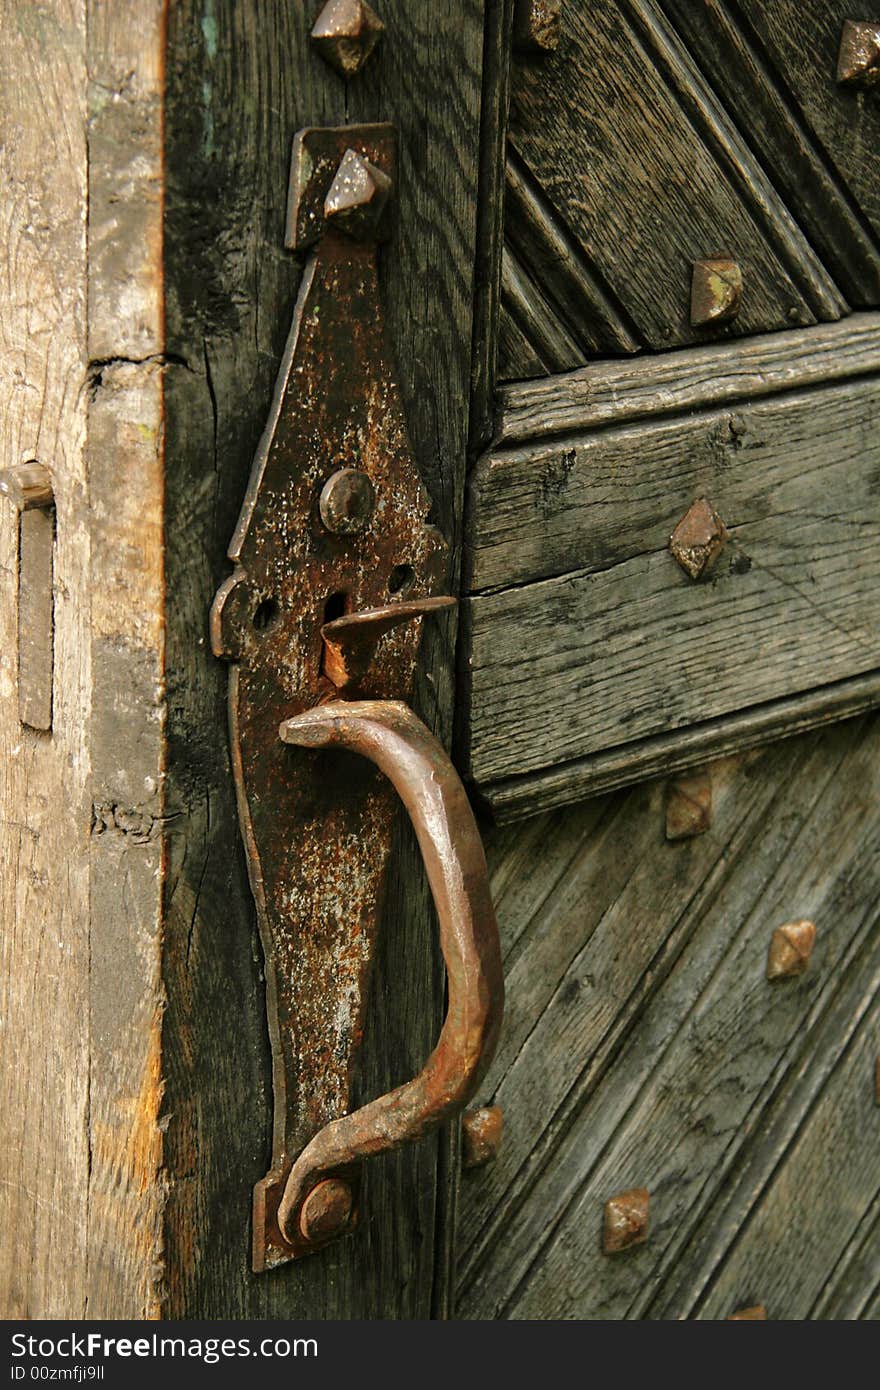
536	25
626	1220
357	196
757	1313
716	291
858	61
698	539
345	34
790	949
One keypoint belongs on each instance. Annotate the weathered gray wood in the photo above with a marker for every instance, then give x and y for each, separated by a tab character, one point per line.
495	96
44	794
645	1046
537	320
758	96
631	647
612	392
511	798
230	291
802	43
647	170
594	324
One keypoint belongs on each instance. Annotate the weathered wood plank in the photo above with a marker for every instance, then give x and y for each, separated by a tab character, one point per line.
648	172
789	607
537	321
663	1057
44	795
802	43
558	267
231	289
607	393
757	97
126	466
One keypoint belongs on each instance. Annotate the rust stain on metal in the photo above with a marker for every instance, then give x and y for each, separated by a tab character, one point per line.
326	1211
345	34
481	1132
537	25
626	1220
317	826
757	1313
698	539
396	742
716	291
347	502
689	805
790	949
858	59
350	642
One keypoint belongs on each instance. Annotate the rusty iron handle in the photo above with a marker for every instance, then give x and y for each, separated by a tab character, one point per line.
391	736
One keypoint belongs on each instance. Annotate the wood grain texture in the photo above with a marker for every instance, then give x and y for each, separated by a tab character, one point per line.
644	1046
628	645
231	289
44	800
648	172
126	452
764	102
610	392
801	43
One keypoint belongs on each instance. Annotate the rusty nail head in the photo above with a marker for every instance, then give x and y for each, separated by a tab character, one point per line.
689	805
356	199
347	501
481	1131
758	1313
326	1210
790	949
698	539
537	24
626	1220
858	61
716	291
28	486
345	34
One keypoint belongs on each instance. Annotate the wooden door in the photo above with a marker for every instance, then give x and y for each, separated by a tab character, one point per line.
667	769
639	734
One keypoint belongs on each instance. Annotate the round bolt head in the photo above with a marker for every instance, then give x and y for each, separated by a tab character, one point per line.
481	1131
326	1211
347	501
345	34
790	949
626	1220
858	61
716	291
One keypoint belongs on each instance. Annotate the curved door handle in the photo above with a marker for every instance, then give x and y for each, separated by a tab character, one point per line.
316	1202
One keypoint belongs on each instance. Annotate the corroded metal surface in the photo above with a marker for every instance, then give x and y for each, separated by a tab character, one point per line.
345	34
790	949
626	1220
350	642
716	291
317	857
391	737
689	805
537	25
481	1132
858	60
698	539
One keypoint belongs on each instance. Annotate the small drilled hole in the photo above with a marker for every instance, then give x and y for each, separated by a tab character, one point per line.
265	613
334	607
400	578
